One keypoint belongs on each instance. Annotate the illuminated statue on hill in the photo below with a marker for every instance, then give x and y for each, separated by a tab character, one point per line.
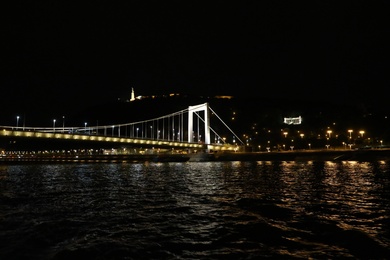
132	95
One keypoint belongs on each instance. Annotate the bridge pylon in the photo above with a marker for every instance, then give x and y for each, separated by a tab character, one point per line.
193	109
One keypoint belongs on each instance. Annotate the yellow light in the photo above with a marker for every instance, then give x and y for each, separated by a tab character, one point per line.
350	133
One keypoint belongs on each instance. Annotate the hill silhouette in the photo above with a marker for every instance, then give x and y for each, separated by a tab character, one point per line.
246	112
241	114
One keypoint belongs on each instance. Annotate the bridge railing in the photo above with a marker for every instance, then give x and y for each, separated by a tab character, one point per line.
121	140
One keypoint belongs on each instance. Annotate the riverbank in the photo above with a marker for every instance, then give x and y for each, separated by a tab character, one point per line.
308	155
96	158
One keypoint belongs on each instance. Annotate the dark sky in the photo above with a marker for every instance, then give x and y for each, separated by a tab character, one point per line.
62	54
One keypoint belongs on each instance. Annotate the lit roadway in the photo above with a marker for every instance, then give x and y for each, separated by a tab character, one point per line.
112	139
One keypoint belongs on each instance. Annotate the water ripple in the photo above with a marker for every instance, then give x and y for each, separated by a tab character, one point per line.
192	210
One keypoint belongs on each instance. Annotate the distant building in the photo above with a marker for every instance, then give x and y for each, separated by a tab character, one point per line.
227	97
293	120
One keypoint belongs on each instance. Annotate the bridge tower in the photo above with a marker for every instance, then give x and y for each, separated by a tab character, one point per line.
191	110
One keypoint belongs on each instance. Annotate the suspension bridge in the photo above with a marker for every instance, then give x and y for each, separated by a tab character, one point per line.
188	129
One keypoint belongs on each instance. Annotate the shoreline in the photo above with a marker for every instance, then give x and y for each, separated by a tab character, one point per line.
311	155
308	155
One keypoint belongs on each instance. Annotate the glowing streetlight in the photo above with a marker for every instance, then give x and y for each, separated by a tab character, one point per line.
329	133
137	131
350	133
63	124
54	125
17	121
285	134
112	133
362	133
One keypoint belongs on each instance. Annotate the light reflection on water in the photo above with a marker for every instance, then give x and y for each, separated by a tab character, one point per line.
195	210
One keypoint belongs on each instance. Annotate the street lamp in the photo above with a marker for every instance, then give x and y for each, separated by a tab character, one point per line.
63	124
17	121
329	133
362	133
112	134
350	133
54	125
137	131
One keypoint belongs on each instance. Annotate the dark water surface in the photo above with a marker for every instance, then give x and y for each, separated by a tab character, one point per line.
195	210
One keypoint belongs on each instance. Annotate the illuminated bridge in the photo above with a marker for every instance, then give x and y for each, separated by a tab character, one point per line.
185	130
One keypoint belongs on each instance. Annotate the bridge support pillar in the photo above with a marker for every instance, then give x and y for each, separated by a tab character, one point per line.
191	110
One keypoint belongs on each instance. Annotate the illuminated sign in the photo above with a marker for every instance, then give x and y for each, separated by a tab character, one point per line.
293	120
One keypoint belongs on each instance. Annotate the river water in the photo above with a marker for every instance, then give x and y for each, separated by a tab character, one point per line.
195	210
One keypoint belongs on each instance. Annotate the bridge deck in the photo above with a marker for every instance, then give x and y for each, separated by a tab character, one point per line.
112	139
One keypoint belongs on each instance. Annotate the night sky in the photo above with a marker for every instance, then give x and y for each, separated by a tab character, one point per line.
70	55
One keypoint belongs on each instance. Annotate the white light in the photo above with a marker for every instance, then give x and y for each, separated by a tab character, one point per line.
293	120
